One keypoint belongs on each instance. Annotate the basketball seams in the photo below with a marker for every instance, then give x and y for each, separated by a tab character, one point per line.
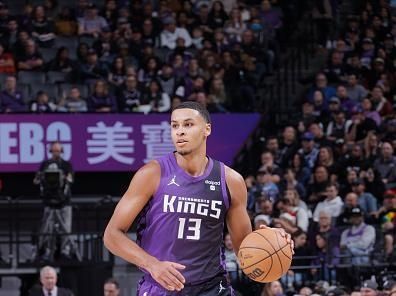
280	261
269	255
281	249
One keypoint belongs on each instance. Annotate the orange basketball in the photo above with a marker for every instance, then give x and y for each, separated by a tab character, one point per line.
264	255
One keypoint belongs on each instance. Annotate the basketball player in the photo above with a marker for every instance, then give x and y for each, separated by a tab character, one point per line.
181	202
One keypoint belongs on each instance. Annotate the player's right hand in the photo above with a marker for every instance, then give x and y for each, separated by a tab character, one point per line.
167	274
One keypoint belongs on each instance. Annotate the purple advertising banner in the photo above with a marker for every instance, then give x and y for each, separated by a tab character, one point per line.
108	142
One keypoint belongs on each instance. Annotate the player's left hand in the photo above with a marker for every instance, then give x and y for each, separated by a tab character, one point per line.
284	234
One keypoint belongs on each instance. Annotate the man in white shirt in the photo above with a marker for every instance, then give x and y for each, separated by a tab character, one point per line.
48	279
332	203
171	33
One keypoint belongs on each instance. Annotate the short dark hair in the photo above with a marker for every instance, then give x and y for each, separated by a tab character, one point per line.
195	106
112	281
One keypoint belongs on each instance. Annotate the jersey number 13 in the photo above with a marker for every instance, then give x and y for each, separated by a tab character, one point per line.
193	228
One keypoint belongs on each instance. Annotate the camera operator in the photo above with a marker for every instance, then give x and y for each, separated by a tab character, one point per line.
55	177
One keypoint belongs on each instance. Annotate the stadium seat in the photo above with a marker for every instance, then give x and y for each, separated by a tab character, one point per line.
25	90
87	39
48	53
56	77
31	77
51	89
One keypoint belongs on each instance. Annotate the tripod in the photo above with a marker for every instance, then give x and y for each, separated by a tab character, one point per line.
57	222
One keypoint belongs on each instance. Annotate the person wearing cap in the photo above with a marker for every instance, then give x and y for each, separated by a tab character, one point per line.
308	149
93	69
358	240
91	24
171	33
367	201
369	288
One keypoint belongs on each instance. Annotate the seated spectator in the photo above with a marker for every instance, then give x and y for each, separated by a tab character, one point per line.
91	24
301	171
353	159
41	104
317	187
370	112
65	23
117	73
82	52
130	97
381	104
101	100
207	101
367	202
171	33
43	30
272	289
350	202
308	149
346	185
360	127
288	146
332	203
355	91
73	102
231	260
261	220
386	164
11	100
289	182
93	69
338	126
149	72
387	218
48	279
155	99
358	240
326	159
235	26
369	288
263	187
267	163
167	80
7	62
326	228
31	59
327	256
296	217
111	287
62	62
374	184
321	84
301	249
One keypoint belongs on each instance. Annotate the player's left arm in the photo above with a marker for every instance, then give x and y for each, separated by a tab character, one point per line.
238	221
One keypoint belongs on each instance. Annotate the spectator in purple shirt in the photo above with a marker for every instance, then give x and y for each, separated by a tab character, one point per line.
11	100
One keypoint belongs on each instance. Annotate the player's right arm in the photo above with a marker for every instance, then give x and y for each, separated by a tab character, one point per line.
142	187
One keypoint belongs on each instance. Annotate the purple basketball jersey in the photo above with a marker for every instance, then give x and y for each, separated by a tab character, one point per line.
184	220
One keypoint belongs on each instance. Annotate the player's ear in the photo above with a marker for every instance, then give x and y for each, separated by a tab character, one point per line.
208	129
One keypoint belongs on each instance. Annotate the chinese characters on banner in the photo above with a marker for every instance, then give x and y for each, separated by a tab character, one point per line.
108	142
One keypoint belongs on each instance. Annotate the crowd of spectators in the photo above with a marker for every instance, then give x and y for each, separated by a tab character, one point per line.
136	56
329	179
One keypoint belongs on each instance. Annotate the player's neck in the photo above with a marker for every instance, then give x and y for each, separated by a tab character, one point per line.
193	164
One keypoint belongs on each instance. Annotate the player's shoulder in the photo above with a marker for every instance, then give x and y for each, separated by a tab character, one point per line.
232	176
151	168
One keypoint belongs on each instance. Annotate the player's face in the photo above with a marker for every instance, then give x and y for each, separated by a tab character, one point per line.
189	130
